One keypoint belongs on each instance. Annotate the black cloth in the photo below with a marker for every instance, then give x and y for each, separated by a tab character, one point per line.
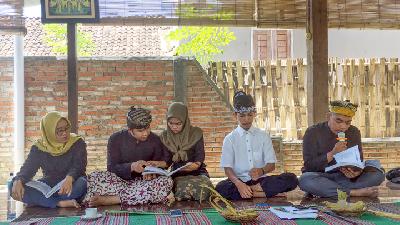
271	185
394	175
319	140
195	154
123	149
55	168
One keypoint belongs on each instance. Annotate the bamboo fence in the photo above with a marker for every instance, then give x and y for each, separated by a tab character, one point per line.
288	14
278	88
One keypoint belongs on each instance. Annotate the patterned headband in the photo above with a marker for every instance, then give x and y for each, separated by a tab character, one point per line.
243	103
138	118
345	108
242	109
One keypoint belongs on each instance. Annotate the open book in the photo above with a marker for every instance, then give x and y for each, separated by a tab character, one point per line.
351	158
159	171
290	212
44	188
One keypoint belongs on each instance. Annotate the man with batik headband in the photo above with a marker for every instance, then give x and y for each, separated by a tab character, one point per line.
320	144
128	152
248	157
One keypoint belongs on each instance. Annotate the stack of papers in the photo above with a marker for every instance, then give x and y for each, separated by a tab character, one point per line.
290	212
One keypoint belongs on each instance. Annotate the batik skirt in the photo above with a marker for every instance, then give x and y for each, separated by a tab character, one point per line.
131	192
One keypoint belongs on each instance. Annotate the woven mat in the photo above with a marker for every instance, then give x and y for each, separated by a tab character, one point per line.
385	207
36	221
118	219
211	217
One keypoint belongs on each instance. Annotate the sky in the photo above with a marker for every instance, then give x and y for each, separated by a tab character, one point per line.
32	8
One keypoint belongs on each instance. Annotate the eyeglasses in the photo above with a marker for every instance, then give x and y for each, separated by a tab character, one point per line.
178	124
60	131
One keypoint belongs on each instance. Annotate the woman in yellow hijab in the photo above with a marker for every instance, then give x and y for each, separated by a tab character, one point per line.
62	157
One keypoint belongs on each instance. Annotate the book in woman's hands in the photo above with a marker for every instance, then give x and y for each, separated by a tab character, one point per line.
44	188
159	171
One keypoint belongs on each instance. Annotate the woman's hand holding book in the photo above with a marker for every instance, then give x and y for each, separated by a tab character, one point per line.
17	190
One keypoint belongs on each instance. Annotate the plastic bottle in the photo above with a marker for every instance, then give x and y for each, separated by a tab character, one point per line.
11	213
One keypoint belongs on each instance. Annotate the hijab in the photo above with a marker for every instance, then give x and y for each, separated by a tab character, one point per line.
180	143
48	142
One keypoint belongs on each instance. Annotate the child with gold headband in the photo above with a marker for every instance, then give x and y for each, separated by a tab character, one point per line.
320	144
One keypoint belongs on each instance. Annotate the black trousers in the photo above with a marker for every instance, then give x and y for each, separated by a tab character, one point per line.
271	185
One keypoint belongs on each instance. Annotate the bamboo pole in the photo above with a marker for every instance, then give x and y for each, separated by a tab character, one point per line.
374	69
396	75
267	92
240	75
391	94
235	76
360	73
247	76
275	102
257	93
346	80
382	96
366	99
331	81
301	70
290	117
296	101
229	80
220	79
263	92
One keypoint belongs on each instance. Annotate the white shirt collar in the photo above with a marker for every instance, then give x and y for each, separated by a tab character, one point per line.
242	131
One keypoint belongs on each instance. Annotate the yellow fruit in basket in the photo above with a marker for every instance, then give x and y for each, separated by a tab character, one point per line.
230	212
344	207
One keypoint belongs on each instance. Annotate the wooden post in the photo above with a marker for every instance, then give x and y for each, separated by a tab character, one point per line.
317	60
180	87
72	77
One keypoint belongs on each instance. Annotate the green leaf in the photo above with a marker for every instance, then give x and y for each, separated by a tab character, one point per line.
56	38
204	43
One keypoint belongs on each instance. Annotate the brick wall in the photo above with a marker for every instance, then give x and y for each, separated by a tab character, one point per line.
106	90
6	119
107	87
210	112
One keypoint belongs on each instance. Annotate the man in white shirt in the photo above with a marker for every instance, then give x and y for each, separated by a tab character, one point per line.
248	156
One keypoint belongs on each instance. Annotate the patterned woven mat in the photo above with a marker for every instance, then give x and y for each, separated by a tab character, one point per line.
211	217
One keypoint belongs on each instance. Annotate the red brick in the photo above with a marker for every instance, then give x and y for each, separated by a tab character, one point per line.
86	74
101	78
111	74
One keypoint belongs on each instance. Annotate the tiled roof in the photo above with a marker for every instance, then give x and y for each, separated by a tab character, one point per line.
109	40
